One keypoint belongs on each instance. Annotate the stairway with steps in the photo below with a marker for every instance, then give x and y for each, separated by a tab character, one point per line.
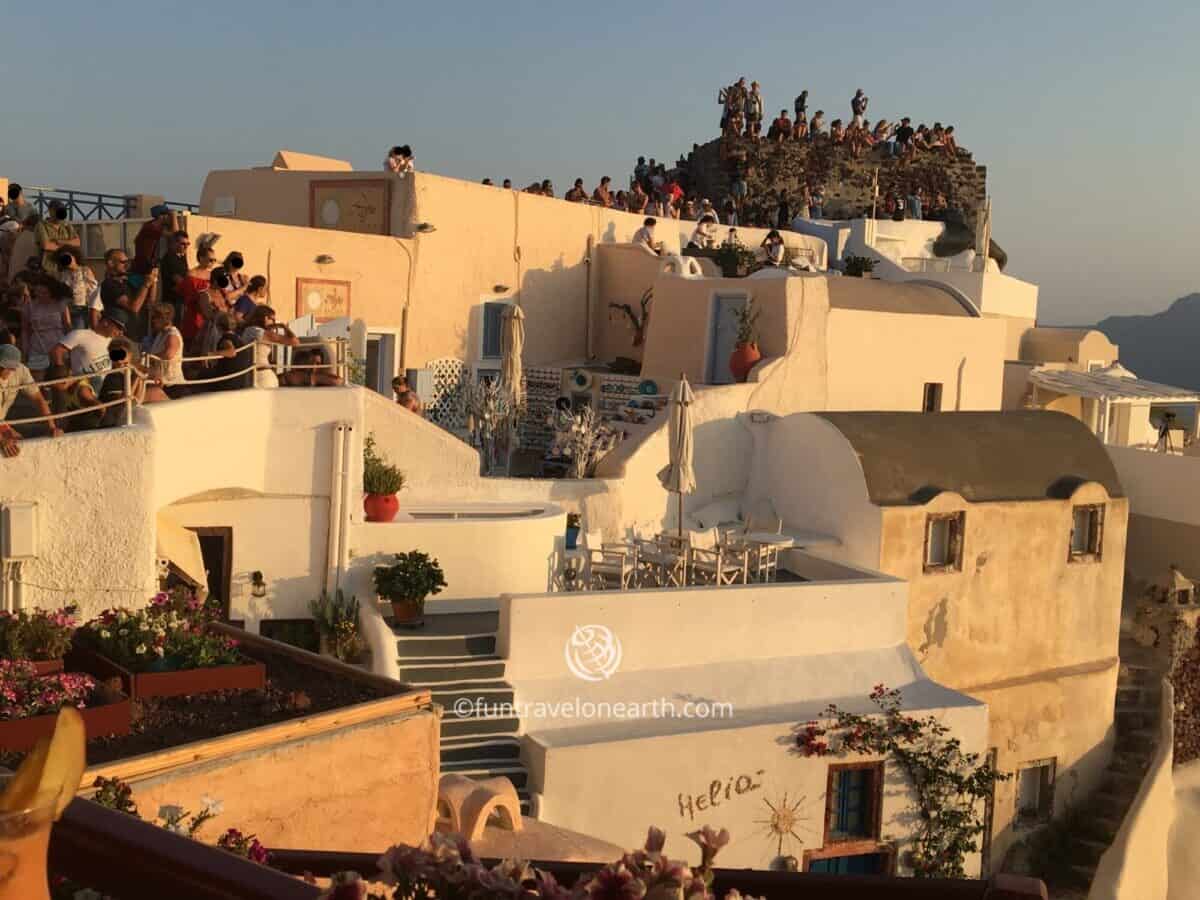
1097	820
454	656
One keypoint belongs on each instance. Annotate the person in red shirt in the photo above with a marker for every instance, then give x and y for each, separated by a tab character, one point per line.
145	244
781	128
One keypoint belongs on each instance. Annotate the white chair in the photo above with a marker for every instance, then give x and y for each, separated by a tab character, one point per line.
716	563
610	565
663	560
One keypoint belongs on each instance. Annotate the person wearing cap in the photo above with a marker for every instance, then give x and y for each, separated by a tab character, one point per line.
54	234
16	379
88	348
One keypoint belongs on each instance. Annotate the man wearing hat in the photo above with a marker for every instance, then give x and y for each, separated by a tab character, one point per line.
88	348
54	234
15	379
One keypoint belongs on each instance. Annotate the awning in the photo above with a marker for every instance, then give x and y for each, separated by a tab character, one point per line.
1113	387
182	548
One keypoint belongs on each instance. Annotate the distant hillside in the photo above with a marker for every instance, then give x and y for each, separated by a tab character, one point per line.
1164	347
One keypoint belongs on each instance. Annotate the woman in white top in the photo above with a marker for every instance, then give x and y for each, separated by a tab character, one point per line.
166	349
773	244
705	234
264	331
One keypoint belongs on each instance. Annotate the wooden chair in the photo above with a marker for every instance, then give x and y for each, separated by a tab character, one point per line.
717	563
610	566
663	561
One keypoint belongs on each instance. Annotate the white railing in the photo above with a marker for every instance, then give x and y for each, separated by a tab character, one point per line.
128	399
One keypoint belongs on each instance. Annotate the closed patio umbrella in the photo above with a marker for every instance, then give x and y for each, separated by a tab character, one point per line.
512	344
679	476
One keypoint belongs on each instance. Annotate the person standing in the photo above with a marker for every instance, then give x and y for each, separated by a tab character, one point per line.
858	107
800	107
53	235
115	289
602	194
783	214
17	207
174	270
754	112
147	245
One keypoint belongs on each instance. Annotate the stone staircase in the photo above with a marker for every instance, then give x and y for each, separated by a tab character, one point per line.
454	656
1097	819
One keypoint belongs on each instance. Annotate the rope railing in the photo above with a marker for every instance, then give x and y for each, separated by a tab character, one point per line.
129	400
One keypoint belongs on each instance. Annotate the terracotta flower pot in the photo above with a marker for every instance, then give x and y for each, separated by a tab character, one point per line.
408	613
381	507
743	359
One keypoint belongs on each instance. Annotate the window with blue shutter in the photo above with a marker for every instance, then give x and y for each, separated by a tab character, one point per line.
853	802
493	323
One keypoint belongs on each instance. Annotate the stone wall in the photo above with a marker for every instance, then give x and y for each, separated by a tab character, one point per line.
847	181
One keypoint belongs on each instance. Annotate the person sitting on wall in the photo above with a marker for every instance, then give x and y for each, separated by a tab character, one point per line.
547	188
705	234
781	128
644	236
901	142
773	245
949	144
800	129
638	198
576	194
816	128
399	161
837	134
300	376
399	386
16	379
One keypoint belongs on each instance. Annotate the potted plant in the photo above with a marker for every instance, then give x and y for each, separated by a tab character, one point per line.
39	636
745	355
29	704
381	482
165	649
735	259
572	530
406	583
336	619
858	266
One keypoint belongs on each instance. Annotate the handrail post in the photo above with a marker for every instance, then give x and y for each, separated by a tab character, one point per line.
128	373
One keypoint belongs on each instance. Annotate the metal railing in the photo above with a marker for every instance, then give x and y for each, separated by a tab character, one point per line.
90	206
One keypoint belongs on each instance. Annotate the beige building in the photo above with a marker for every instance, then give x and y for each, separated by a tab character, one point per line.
1010	529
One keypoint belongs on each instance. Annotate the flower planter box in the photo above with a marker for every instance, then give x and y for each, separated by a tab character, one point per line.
251	676
47	666
112	719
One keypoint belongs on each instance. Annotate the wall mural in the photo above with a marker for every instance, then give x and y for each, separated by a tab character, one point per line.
323	298
362	205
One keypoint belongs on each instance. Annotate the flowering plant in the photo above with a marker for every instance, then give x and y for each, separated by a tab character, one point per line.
169	634
37	634
24	693
448	868
244	845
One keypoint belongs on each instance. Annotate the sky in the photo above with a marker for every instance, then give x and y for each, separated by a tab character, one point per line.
1079	110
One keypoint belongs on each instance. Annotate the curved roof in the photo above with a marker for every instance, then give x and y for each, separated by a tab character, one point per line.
893	296
908	458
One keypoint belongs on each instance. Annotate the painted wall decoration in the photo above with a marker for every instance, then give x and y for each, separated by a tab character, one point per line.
323	298
362	205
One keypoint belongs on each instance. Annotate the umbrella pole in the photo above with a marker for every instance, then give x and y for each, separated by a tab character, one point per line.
677	464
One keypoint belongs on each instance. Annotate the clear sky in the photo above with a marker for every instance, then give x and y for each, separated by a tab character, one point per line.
1084	112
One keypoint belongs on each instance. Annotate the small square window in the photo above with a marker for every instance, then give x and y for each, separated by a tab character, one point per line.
1035	792
944	542
1087	532
932	401
852	803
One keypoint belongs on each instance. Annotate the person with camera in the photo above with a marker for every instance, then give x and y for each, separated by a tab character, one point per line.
85	304
116	289
54	234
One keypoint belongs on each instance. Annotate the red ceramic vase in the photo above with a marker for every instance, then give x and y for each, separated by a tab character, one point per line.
381	507
742	360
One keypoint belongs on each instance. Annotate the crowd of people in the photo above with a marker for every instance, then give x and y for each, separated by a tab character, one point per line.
71	343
